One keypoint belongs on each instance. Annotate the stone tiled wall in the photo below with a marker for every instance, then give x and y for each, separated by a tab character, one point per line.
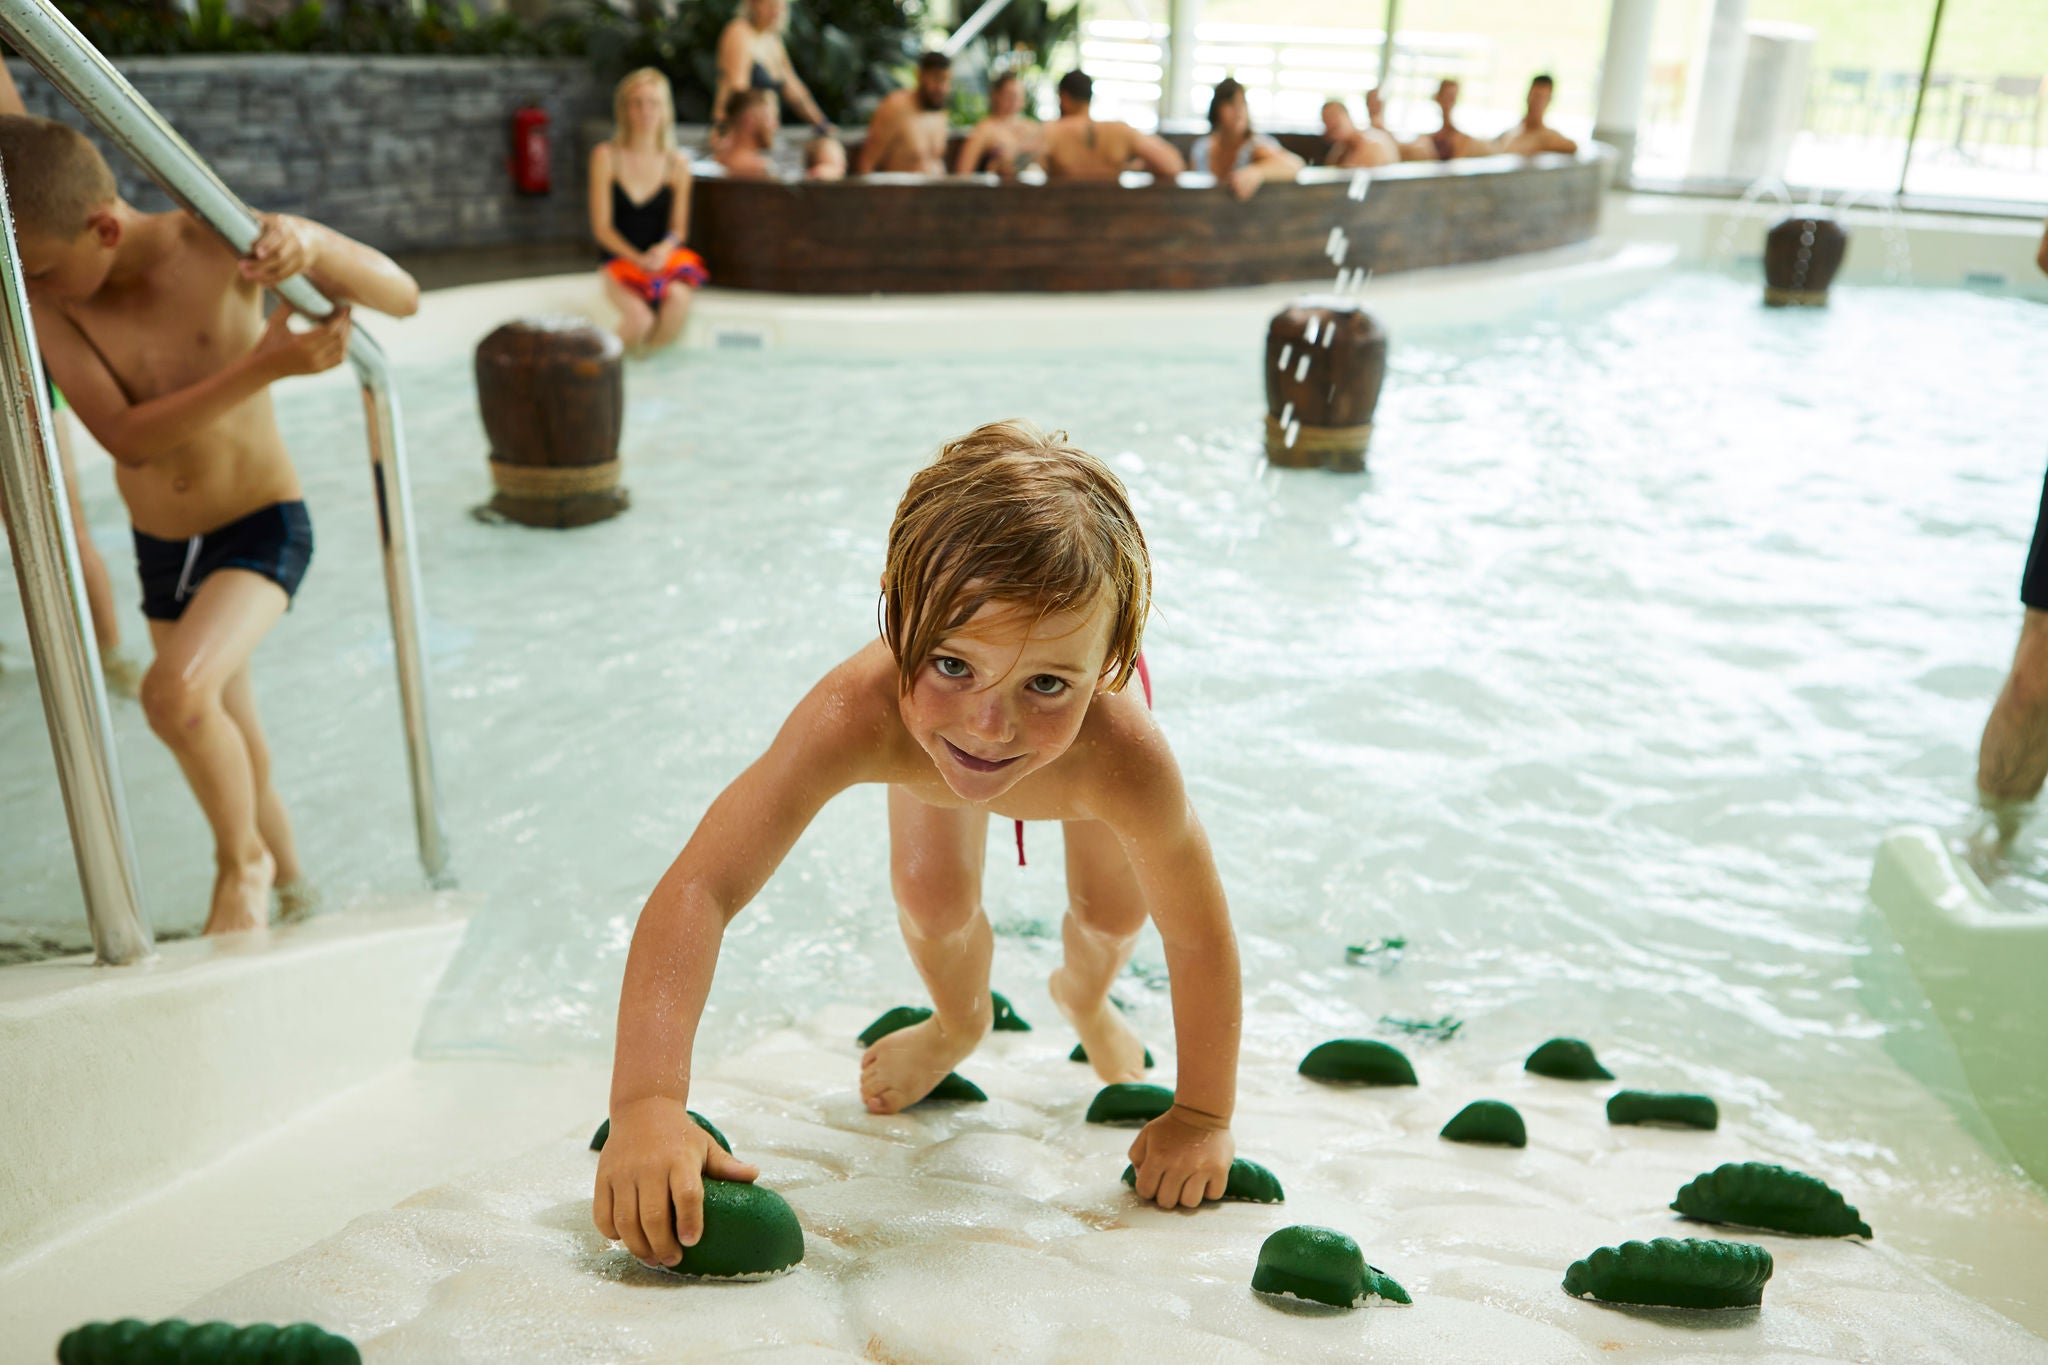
405	153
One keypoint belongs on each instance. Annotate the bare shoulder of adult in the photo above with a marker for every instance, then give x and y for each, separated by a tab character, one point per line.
2042	259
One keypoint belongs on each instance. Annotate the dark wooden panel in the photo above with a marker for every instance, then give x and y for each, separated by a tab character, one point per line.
968	235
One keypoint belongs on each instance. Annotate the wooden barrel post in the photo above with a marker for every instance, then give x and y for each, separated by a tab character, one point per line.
553	400
1801	256
1325	361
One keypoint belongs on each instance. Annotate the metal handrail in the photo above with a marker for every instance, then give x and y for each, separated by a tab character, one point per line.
53	596
111	104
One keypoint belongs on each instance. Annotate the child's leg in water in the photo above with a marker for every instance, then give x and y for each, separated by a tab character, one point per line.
295	894
935	862
1105	911
197	657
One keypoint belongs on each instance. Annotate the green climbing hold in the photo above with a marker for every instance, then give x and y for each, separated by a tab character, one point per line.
1250	1183
1358	1059
903	1016
1751	1194
604	1132
1679	1111
1362	954
1567	1059
1129	1102
749	1232
1487	1121
1007	1018
1440	1030
1323	1266
956	1087
1080	1054
177	1342
1668	1273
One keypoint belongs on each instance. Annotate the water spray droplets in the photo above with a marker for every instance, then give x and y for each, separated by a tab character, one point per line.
1286	355
1360	182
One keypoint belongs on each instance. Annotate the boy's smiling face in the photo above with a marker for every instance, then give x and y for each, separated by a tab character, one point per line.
1005	694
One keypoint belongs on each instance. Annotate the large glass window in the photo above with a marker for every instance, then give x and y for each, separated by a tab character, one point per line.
1982	130
1814	94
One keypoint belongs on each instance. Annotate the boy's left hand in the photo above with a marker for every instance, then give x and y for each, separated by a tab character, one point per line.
285	247
1183	1158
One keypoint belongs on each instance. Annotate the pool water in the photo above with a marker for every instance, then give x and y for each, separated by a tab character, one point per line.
1599	690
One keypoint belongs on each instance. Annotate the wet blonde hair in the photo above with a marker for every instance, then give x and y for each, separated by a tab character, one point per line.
56	179
622	131
1008	513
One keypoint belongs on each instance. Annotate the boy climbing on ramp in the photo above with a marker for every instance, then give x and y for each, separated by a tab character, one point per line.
154	330
1013	607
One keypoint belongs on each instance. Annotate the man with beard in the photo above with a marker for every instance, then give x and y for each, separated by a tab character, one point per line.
908	131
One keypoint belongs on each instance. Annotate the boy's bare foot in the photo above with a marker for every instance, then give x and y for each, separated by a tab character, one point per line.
1116	1053
901	1069
241	896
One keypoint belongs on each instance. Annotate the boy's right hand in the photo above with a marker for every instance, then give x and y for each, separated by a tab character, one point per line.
650	1179
320	347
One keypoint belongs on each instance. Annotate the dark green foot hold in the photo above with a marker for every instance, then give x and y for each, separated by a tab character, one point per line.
1358	1059
1129	1102
1321	1265
1751	1194
748	1232
1080	1054
604	1131
903	1016
1668	1273
1567	1059
1007	1018
1375	951
1672	1110
1488	1121
177	1342
1250	1183
956	1087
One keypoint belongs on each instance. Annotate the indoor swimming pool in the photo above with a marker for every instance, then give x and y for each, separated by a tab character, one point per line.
1599	690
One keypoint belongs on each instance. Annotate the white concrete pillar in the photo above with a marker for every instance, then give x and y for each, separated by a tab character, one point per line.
1624	72
1178	81
1716	94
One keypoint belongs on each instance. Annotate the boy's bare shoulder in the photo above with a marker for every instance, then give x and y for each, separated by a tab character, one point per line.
1127	765
851	714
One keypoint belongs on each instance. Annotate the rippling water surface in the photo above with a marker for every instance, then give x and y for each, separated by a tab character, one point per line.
1599	689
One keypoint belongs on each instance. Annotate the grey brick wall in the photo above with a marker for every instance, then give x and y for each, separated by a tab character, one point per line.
405	153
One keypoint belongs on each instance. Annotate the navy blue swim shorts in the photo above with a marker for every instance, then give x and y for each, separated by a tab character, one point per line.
275	541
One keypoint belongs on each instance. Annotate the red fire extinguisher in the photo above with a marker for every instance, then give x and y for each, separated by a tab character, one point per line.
530	150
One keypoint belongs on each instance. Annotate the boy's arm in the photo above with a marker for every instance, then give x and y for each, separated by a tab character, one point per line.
970	150
342	268
137	433
649	1178
1184	1155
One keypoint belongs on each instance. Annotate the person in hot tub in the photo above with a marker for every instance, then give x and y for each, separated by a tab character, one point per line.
1532	135
2012	759
1080	146
1232	152
1005	142
908	132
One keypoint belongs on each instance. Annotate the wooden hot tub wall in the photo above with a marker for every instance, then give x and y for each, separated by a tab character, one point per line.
933	235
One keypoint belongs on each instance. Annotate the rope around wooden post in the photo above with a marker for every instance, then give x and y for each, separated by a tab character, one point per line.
554	481
1794	298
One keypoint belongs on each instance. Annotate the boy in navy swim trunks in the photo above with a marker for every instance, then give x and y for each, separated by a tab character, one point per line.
155	332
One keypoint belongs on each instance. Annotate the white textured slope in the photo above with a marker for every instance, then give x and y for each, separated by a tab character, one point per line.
972	1233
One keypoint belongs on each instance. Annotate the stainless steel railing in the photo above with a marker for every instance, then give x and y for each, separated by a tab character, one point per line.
111	104
53	595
